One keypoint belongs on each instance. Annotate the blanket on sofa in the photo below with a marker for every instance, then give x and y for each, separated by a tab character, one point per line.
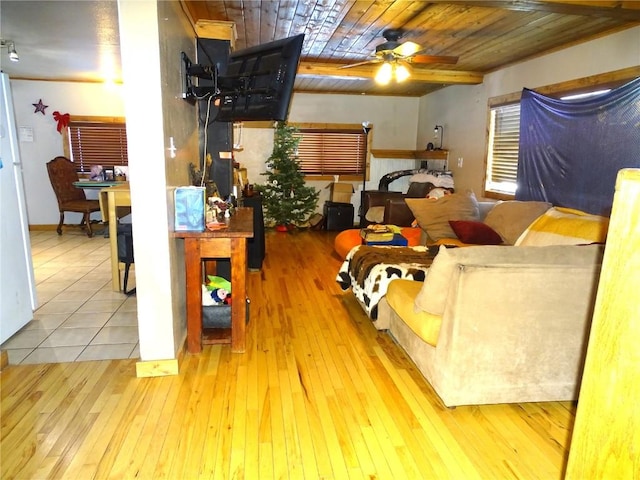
367	270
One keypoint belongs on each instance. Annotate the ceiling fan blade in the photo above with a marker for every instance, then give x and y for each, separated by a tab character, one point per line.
366	62
406	49
433	59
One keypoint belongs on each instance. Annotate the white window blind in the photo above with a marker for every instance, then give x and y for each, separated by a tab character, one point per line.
332	152
502	158
96	143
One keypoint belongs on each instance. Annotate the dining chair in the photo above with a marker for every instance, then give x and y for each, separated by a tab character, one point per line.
62	174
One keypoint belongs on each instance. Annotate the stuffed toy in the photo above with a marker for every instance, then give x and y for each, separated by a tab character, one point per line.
220	295
207	301
218	282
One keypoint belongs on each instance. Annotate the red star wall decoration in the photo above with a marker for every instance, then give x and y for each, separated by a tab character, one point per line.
39	106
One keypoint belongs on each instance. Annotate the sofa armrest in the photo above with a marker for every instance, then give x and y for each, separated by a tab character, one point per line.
513	330
397	212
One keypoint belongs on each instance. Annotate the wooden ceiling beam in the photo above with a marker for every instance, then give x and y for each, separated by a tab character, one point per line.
628	11
450	77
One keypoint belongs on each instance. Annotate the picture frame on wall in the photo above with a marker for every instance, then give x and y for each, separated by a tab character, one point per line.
109	174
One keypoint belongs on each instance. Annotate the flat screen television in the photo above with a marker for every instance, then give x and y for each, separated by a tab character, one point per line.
257	83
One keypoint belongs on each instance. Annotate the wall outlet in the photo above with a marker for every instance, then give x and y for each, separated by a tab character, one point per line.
460	162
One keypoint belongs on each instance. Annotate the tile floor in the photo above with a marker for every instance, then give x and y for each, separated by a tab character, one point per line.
79	317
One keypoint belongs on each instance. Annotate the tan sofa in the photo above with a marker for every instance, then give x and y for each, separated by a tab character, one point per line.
514	324
502	324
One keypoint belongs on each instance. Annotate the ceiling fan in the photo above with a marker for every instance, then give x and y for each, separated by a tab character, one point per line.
395	56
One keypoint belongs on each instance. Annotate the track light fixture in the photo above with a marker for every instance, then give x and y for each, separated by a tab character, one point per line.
11	49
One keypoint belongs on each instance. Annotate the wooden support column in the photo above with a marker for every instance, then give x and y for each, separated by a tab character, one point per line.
606	436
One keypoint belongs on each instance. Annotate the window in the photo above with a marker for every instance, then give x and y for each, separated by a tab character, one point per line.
335	150
504	127
502	155
97	141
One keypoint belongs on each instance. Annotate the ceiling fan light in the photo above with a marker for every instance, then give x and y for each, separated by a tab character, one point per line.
407	48
401	72
384	74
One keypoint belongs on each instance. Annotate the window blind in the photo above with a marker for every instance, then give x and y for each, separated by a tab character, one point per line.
504	134
95	143
329	152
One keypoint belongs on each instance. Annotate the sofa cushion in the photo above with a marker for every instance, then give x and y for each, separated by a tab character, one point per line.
565	226
433	215
511	218
478	233
433	294
400	296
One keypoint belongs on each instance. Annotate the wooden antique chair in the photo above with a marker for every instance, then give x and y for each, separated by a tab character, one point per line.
62	174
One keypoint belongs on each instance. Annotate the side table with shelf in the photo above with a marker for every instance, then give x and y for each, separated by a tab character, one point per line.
231	243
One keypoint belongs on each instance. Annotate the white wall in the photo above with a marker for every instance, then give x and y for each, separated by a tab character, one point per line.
462	110
394	120
85	99
152	35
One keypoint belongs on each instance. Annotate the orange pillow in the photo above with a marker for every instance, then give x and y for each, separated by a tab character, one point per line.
346	240
412	234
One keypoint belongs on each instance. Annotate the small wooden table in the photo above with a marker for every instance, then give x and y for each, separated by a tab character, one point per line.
112	199
231	243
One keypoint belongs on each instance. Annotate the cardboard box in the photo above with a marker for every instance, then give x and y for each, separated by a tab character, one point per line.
341	192
189	209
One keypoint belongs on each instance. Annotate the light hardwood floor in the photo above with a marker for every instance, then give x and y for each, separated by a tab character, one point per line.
320	394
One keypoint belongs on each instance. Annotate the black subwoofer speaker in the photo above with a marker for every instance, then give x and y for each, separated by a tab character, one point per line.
338	216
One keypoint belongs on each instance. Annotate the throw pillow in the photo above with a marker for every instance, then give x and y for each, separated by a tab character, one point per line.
433	294
470	231
565	226
511	218
433	215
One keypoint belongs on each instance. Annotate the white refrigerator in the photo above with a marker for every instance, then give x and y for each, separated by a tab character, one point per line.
17	284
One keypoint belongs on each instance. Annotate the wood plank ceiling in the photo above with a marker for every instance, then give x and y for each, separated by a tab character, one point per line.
484	35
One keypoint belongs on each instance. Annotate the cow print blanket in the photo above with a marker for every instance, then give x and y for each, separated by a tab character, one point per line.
367	270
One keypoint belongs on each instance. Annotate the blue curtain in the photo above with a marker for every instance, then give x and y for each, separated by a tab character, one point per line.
571	151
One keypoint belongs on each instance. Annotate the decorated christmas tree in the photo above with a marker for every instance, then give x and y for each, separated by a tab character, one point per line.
285	197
